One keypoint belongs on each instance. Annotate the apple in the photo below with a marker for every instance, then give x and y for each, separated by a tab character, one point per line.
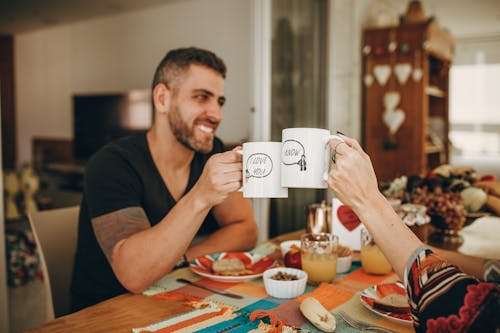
292	259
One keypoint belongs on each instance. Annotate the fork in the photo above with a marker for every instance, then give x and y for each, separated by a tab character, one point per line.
361	325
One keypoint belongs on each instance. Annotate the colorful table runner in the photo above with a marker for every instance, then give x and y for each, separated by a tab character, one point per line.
216	313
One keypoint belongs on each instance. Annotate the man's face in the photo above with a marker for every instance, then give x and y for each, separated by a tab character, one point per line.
196	108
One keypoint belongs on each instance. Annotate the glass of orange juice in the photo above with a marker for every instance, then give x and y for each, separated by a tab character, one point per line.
319	256
373	260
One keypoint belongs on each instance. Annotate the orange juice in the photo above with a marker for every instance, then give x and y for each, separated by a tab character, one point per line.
373	260
319	267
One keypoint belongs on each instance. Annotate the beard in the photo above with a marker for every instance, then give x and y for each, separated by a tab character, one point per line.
185	134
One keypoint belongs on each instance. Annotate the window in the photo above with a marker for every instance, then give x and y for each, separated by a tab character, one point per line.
475	110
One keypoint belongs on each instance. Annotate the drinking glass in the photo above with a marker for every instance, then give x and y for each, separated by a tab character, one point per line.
373	260
319	256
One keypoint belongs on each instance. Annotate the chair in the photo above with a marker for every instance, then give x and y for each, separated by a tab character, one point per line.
55	234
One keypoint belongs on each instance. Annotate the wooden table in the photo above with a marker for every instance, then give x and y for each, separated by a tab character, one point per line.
122	313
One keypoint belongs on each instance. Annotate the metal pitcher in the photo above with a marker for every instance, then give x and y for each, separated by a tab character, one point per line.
319	218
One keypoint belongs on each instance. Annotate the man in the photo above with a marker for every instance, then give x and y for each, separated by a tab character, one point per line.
147	196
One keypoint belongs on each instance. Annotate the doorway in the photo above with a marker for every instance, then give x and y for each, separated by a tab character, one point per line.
298	91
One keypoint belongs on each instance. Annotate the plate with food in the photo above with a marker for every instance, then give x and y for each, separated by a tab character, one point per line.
388	300
232	266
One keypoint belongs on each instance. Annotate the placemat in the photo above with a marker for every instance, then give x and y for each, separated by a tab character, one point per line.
216	313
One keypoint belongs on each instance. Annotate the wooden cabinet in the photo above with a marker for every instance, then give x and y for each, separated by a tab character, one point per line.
405	98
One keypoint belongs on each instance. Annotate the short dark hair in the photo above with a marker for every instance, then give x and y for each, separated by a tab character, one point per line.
176	62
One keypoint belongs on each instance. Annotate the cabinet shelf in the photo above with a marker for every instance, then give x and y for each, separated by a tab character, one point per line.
432	149
434	91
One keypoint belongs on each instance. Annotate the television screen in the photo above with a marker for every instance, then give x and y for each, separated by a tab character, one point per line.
99	119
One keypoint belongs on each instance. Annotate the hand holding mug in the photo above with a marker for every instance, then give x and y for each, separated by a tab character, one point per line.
221	176
351	177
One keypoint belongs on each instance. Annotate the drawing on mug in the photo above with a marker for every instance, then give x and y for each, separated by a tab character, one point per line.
259	165
303	163
294	153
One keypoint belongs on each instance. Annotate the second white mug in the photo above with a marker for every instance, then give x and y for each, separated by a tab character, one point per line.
305	157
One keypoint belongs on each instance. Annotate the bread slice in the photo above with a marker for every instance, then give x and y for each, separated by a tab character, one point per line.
395	303
229	266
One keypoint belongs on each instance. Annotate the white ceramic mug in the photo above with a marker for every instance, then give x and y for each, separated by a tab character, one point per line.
262	171
305	157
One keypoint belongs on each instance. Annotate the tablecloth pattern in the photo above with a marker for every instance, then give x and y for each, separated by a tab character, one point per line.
216	313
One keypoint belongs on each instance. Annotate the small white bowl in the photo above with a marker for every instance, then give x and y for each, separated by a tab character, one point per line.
285	289
344	264
286	245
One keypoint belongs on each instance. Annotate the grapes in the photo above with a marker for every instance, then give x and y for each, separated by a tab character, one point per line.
445	208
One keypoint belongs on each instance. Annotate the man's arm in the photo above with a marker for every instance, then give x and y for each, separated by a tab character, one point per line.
140	255
238	230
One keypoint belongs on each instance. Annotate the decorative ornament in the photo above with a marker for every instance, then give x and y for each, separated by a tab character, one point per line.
414	13
391	100
417	74
392	46
367	49
382	73
402	72
379	50
393	118
368	80
404	48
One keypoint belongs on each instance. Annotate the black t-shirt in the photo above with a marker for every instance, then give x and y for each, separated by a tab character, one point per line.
122	174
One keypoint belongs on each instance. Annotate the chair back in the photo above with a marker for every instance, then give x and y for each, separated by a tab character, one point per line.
55	233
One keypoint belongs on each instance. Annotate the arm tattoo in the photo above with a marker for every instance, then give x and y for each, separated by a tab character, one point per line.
111	228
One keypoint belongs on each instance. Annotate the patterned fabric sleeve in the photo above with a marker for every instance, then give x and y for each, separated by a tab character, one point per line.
444	299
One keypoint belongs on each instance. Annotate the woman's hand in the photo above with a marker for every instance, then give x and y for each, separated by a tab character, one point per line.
351	176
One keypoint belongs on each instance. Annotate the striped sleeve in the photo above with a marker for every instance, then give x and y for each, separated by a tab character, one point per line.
444	299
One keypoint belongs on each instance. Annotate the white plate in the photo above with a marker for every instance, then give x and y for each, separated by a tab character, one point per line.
369	294
256	265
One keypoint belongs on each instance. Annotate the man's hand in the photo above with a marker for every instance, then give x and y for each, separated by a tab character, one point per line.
222	175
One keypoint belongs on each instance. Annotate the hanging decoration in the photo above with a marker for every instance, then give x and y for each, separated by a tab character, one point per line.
379	50
392	117
402	72
382	73
392	46
417	73
404	48
368	80
367	49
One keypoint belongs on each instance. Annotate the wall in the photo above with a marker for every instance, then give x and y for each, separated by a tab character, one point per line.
4	311
121	52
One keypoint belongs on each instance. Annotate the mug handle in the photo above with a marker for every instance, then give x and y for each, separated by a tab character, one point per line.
328	154
242	175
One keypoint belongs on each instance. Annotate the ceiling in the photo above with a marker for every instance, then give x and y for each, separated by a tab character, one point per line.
462	17
17	16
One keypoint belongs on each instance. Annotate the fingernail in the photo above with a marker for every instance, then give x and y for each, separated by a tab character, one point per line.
339	132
